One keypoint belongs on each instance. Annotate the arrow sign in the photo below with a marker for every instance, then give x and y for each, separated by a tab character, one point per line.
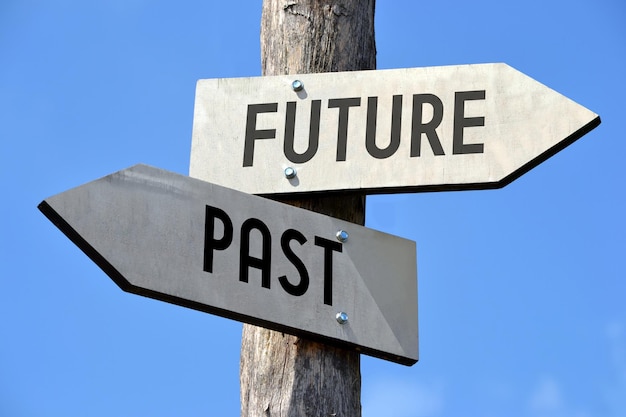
202	246
419	129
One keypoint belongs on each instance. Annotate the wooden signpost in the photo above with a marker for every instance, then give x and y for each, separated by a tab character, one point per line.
324	288
282	374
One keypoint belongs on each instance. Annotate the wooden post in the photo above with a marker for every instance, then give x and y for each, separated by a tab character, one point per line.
283	375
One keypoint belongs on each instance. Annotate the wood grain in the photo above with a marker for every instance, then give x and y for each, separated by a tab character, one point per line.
283	375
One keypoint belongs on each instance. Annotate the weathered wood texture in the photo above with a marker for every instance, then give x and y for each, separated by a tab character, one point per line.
317	36
283	375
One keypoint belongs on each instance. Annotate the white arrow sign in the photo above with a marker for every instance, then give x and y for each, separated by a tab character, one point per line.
420	129
199	245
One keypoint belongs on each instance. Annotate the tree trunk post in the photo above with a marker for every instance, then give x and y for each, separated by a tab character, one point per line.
282	375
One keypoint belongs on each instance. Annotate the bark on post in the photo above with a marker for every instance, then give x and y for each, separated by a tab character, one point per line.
283	375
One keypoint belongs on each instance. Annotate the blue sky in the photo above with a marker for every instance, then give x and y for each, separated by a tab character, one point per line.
522	290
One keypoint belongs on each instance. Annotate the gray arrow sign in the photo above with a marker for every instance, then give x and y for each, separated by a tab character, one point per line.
203	246
417	129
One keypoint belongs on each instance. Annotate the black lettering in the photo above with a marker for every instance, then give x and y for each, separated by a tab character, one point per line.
252	133
210	242
418	127
460	122
329	246
246	261
285	239
343	104
370	132
314	133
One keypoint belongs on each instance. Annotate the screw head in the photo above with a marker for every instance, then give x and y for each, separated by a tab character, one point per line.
297	85
342	318
290	173
342	236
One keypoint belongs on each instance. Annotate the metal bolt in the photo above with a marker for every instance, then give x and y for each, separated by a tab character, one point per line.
342	318
342	236
290	173
297	85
